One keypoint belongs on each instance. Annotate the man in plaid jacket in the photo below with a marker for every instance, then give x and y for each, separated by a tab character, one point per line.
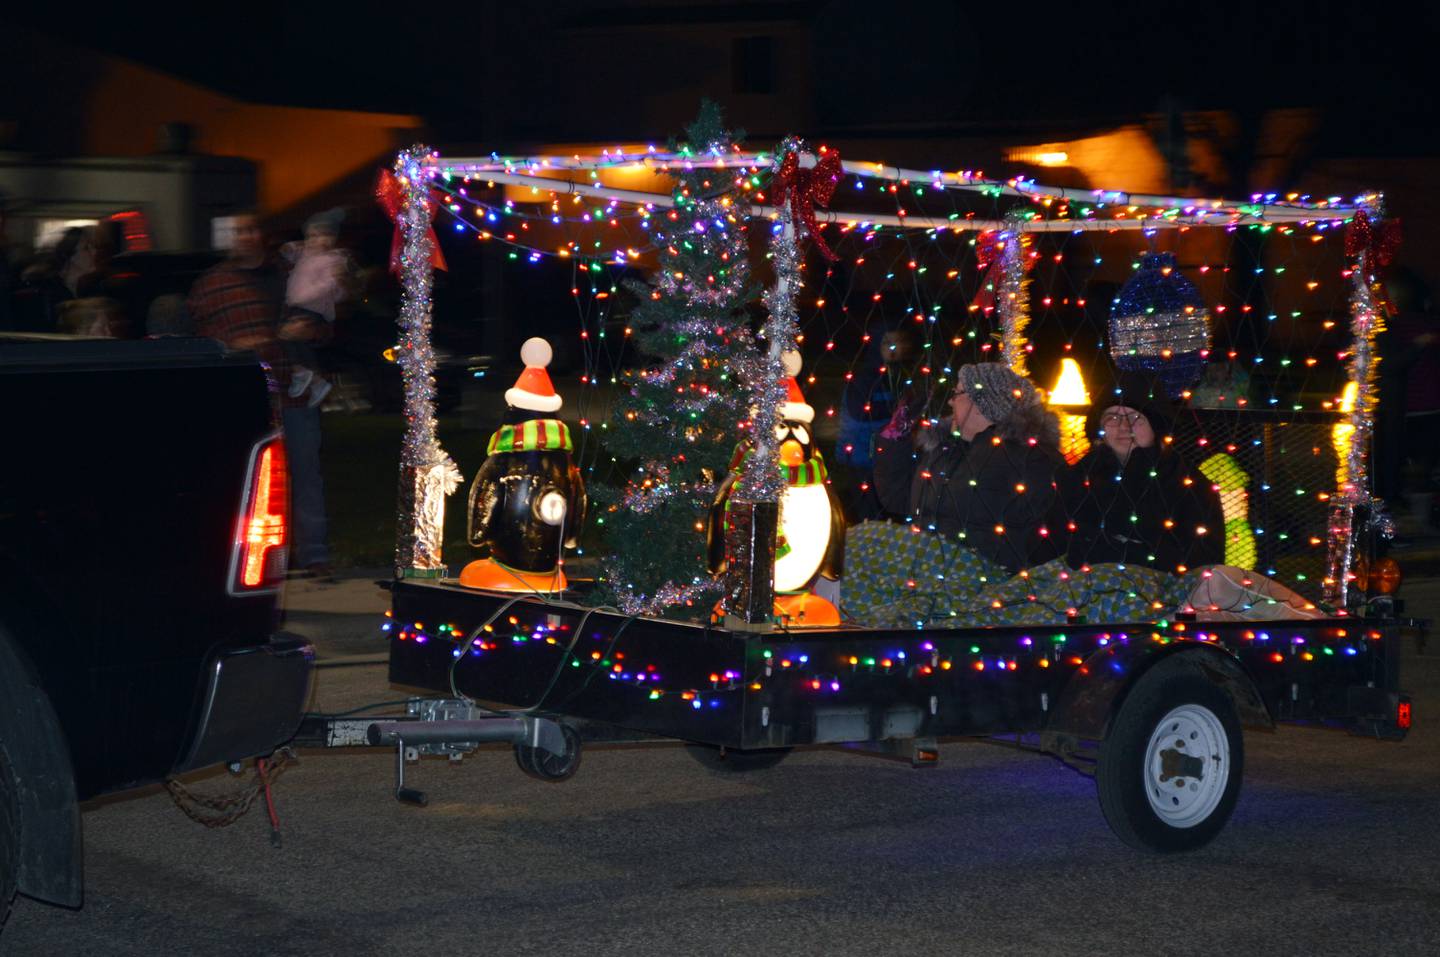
240	303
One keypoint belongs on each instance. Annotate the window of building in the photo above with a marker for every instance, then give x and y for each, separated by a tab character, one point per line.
752	61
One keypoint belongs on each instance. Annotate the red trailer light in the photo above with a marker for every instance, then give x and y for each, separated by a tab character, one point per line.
1403	714
260	535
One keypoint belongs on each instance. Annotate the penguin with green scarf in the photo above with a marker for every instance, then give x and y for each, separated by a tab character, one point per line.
810	541
528	500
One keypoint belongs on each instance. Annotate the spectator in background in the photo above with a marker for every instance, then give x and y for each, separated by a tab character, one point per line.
166	316
1222	385
93	316
54	278
239	303
881	383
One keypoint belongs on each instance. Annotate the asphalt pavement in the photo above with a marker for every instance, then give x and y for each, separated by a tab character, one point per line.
1332	850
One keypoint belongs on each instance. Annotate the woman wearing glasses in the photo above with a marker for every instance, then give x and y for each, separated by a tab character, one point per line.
1131	500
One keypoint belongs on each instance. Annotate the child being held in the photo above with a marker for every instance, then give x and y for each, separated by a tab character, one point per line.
315	286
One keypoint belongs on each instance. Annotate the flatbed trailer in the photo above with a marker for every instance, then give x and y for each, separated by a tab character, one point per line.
1152	710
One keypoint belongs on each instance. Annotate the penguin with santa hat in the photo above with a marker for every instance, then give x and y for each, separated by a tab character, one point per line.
810	541
528	499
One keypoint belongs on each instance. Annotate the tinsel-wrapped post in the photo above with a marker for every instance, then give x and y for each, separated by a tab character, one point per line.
427	473
1366	323
749	577
1012	299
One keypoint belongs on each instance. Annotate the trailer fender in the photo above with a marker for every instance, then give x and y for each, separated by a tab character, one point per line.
1096	689
51	855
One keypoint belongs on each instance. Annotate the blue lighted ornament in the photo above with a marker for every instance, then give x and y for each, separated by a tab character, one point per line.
1159	324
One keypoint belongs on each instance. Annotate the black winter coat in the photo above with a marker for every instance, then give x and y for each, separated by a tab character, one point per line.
1107	511
992	494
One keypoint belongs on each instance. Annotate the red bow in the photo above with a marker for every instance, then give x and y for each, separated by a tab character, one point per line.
987	255
392	199
1380	244
807	188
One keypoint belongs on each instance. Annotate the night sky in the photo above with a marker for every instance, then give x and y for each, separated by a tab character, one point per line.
1368	66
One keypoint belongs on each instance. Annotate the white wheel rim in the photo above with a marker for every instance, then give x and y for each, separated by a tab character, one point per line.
1186	735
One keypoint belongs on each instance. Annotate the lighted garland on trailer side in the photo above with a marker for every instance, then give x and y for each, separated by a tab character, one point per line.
1005	656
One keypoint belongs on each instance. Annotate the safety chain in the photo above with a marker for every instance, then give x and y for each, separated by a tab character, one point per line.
222	810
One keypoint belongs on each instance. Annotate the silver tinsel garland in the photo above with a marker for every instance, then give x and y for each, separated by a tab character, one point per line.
1366	323
764	375
1012	298
427	473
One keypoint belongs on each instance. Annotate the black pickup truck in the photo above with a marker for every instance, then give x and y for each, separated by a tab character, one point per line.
143	531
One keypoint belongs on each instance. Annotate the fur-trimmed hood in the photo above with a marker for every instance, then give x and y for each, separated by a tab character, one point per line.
1023	423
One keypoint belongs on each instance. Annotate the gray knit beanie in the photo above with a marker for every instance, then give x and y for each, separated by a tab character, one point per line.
996	391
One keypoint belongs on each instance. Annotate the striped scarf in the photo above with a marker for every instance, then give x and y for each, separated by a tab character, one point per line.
529	436
806	473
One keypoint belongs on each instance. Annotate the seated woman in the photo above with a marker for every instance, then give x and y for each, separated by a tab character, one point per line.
1142	535
973	490
1131	500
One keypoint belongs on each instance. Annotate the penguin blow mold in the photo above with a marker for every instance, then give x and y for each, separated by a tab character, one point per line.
811	539
528	501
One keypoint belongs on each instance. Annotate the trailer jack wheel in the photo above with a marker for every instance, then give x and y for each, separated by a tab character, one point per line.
1170	767
548	766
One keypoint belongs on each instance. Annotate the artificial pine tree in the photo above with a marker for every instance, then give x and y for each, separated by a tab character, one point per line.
674	432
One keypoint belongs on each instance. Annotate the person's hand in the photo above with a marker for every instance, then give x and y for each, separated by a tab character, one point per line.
902	423
301	329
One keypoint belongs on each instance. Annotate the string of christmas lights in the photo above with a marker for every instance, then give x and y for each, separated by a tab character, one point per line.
792	663
1254	336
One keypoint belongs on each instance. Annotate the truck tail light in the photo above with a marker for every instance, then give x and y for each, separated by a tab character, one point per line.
1403	714
258	563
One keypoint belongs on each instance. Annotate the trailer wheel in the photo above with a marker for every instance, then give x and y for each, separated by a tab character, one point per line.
9	839
547	766
1170	768
731	761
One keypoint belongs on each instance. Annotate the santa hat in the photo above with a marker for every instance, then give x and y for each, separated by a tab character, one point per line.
794	408
533	390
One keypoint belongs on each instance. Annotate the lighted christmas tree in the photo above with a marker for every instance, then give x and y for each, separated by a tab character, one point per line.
673	433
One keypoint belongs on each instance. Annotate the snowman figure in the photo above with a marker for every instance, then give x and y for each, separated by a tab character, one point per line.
810	541
528	499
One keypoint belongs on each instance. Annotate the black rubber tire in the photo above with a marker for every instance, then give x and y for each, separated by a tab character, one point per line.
1121	775
9	839
551	768
731	761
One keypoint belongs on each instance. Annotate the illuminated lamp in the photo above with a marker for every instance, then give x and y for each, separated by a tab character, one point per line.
1341	434
1381	578
1069	393
1047	154
1227	475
